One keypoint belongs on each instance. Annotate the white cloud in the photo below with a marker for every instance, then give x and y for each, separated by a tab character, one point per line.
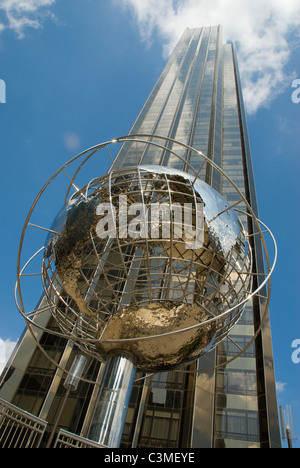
6	348
280	387
71	141
23	14
264	31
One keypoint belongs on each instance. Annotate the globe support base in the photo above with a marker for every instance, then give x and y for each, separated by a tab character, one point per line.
112	404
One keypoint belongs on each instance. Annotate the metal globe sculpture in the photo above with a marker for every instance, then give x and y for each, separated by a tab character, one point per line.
146	260
149	261
145	268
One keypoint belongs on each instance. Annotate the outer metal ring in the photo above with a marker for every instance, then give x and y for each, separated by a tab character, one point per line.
83	158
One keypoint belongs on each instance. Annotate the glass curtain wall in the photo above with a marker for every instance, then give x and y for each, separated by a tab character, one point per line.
198	101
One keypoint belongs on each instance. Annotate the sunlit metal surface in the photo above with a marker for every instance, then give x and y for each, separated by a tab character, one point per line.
164	299
113	400
127	288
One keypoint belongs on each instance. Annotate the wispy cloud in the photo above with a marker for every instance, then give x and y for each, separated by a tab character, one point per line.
71	141
264	31
6	348
18	15
280	387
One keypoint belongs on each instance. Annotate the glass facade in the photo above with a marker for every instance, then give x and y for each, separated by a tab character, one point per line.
198	101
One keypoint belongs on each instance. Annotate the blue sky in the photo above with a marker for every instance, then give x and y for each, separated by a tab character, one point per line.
77	73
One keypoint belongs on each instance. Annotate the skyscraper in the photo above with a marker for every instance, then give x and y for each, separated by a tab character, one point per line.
197	100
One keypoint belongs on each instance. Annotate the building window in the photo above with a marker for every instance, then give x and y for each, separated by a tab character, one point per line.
235	424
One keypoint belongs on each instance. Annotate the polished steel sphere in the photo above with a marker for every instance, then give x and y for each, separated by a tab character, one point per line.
149	260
